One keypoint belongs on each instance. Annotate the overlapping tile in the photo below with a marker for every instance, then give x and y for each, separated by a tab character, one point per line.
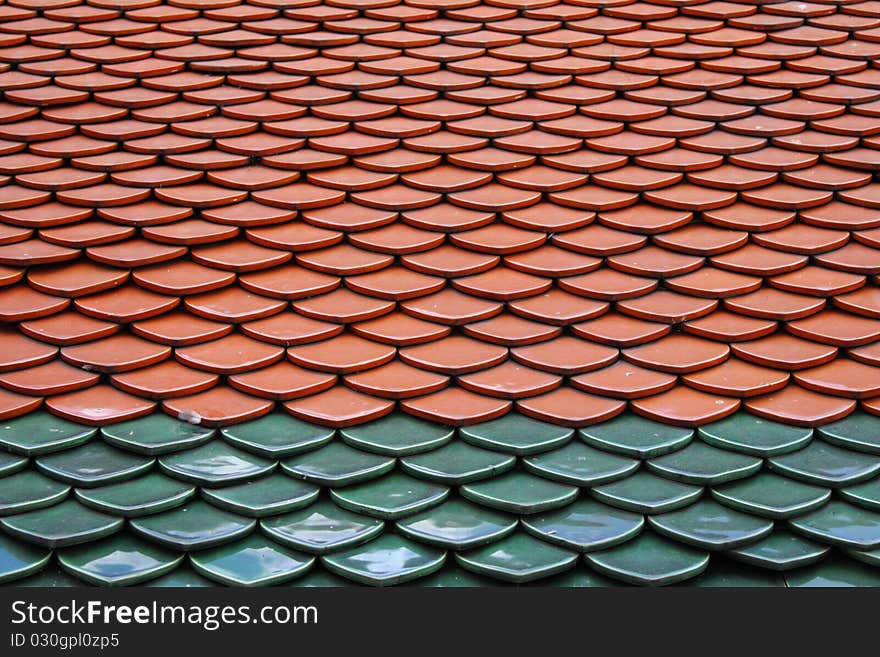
492	256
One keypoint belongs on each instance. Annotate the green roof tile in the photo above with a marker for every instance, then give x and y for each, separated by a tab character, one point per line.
397	434
518	558
749	434
457	525
647	493
93	464
457	463
650	560
321	528
120	560
337	464
517	434
215	464
152	493
41	433
520	492
581	465
385	561
253	561
711	526
155	434
196	526
636	436
29	490
585	526
827	465
277	435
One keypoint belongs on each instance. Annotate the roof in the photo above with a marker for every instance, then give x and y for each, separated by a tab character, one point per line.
467	291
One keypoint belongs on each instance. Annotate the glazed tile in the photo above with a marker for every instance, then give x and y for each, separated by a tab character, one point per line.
755	436
397	435
336	464
42	433
841	524
93	464
118	561
519	492
389	498
18	561
702	464
385	561
633	436
650	560
61	525
457	463
585	526
26	491
708	525
253	561
214	464
826	465
321	528
856	432
771	496
145	495
194	526
781	550
518	559
580	465
516	434
457	525
277	435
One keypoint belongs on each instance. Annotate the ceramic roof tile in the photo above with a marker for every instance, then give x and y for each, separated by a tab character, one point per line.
511	216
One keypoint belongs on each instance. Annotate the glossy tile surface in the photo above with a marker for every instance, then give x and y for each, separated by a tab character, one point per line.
442	293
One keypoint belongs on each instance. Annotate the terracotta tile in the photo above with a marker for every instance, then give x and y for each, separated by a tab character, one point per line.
344	260
51	378
841	378
795	405
67	327
182	278
684	406
454	355
510	330
456	407
558	307
13	405
565	355
450	307
167	379
76	279
339	407
653	261
396	380
737	378
98	405
608	284
343	306
289	328
21	352
623	380
818	281
342	354
398	329
240	256
21	303
757	260
396	239
678	354
768	303
666	306
229	355
233	305
179	328
865	301
833	327
117	353
620	330
785	352
219	406
571	408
